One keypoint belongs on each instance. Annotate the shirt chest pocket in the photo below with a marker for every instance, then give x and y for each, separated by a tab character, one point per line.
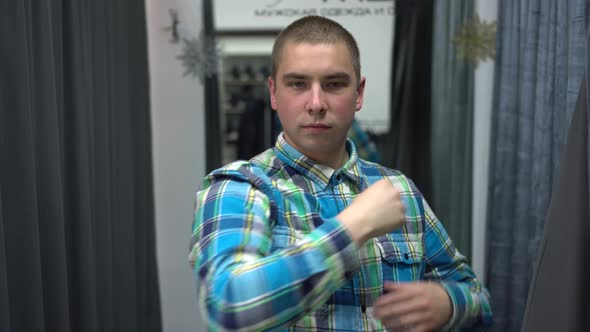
401	257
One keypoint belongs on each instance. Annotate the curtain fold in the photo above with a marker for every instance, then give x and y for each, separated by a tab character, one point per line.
539	67
4	304
213	133
452	124
407	145
76	200
559	301
431	136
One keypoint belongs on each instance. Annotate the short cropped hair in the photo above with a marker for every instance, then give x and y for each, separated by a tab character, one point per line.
316	30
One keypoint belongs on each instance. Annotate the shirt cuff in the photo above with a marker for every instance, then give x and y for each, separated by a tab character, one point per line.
454	292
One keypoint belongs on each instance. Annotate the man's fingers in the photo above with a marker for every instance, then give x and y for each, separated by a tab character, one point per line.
403	286
393	298
415	306
398	292
409	322
397	306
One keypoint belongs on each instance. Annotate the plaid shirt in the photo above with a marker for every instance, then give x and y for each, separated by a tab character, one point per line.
269	253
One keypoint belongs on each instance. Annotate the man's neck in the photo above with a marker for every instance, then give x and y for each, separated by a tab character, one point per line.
334	163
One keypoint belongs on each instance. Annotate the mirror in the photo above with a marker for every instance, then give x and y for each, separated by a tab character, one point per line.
245	32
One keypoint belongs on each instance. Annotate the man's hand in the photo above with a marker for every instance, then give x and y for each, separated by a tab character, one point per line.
414	306
376	211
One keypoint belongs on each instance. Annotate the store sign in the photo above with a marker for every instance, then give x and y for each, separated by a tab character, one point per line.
370	21
323	8
275	14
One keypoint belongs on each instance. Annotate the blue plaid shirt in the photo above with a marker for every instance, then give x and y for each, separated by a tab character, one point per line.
269	253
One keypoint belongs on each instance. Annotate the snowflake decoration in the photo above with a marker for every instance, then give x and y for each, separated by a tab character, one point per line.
199	56
476	40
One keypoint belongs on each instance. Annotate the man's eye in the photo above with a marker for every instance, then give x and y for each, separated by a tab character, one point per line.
296	84
336	85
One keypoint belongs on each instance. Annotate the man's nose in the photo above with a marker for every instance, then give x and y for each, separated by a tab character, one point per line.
317	100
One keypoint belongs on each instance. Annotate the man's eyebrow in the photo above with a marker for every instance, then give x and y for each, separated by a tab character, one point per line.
296	76
333	76
338	75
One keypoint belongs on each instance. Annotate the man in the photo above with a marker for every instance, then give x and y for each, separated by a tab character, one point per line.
307	236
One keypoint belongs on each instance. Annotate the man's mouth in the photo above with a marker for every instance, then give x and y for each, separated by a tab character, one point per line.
316	125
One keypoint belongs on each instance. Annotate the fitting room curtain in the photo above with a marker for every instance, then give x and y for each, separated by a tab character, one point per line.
452	124
407	145
77	249
540	63
559	301
432	103
559	293
213	134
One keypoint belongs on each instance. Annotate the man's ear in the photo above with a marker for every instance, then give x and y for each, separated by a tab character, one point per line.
272	90
360	92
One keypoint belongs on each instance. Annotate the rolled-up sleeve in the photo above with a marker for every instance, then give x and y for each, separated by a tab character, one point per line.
469	299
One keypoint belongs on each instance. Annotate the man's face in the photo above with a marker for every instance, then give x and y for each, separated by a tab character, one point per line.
316	94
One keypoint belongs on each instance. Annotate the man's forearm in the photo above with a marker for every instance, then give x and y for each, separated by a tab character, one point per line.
252	292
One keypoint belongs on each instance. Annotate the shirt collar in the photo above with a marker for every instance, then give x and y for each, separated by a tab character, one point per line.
321	174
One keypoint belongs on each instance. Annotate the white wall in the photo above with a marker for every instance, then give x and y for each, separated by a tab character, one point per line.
179	160
484	89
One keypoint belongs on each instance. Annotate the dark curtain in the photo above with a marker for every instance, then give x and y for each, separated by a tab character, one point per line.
431	137
407	146
559	293
213	135
77	250
539	68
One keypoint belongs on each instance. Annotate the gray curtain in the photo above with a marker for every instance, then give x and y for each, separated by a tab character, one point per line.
77	232
559	292
540	63
452	124
559	301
